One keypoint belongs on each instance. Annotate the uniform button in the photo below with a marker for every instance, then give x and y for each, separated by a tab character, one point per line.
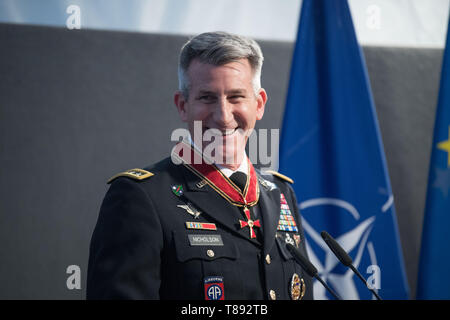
268	260
210	253
273	295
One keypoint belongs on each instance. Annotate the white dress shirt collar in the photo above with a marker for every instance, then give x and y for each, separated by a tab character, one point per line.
226	171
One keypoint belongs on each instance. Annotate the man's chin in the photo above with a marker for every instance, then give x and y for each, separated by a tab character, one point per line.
226	157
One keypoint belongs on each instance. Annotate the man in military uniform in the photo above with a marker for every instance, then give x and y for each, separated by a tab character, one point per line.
213	230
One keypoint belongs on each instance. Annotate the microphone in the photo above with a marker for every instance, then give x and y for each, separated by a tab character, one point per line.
344	258
310	269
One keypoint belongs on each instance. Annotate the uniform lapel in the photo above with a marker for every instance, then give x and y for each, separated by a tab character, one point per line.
214	205
269	200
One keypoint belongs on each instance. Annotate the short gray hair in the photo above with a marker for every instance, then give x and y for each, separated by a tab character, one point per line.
219	48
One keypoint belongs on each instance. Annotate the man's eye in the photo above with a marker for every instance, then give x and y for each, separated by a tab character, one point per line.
206	98
237	97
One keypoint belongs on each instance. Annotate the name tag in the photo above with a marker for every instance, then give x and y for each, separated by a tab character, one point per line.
205	240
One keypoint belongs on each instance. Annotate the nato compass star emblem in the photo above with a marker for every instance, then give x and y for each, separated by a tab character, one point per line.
354	239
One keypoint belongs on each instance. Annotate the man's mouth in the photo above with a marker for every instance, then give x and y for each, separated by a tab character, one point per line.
224	132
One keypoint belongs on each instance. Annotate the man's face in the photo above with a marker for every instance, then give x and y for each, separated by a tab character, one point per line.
222	98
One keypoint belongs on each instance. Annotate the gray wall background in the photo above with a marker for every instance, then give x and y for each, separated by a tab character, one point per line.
77	106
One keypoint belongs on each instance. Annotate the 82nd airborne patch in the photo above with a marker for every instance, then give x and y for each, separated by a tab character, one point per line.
214	288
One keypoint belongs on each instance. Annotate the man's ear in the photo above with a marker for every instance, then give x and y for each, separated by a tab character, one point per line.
180	103
261	99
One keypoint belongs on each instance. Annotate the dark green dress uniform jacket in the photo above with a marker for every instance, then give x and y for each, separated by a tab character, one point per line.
140	248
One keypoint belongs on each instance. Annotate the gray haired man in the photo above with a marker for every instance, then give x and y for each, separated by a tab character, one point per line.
212	230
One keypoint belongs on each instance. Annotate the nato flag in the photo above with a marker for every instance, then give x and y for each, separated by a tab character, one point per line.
331	147
434	265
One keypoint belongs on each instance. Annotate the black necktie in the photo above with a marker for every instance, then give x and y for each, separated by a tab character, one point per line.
240	180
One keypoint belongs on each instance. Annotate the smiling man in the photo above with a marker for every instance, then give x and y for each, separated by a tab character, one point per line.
212	229
223	95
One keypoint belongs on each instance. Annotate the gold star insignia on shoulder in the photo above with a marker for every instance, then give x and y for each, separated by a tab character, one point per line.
137	174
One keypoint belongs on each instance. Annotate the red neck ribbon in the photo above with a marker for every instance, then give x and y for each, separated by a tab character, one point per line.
193	160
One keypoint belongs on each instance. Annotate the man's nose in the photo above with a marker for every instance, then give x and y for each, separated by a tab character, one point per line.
223	114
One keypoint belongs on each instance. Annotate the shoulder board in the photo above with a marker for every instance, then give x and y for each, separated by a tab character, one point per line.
281	176
137	174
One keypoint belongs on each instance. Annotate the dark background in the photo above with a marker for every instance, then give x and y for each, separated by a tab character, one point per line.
78	106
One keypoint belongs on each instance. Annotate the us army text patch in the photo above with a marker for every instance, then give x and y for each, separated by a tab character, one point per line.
205	240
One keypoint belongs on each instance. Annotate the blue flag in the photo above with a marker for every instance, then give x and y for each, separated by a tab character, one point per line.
331	147
434	265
